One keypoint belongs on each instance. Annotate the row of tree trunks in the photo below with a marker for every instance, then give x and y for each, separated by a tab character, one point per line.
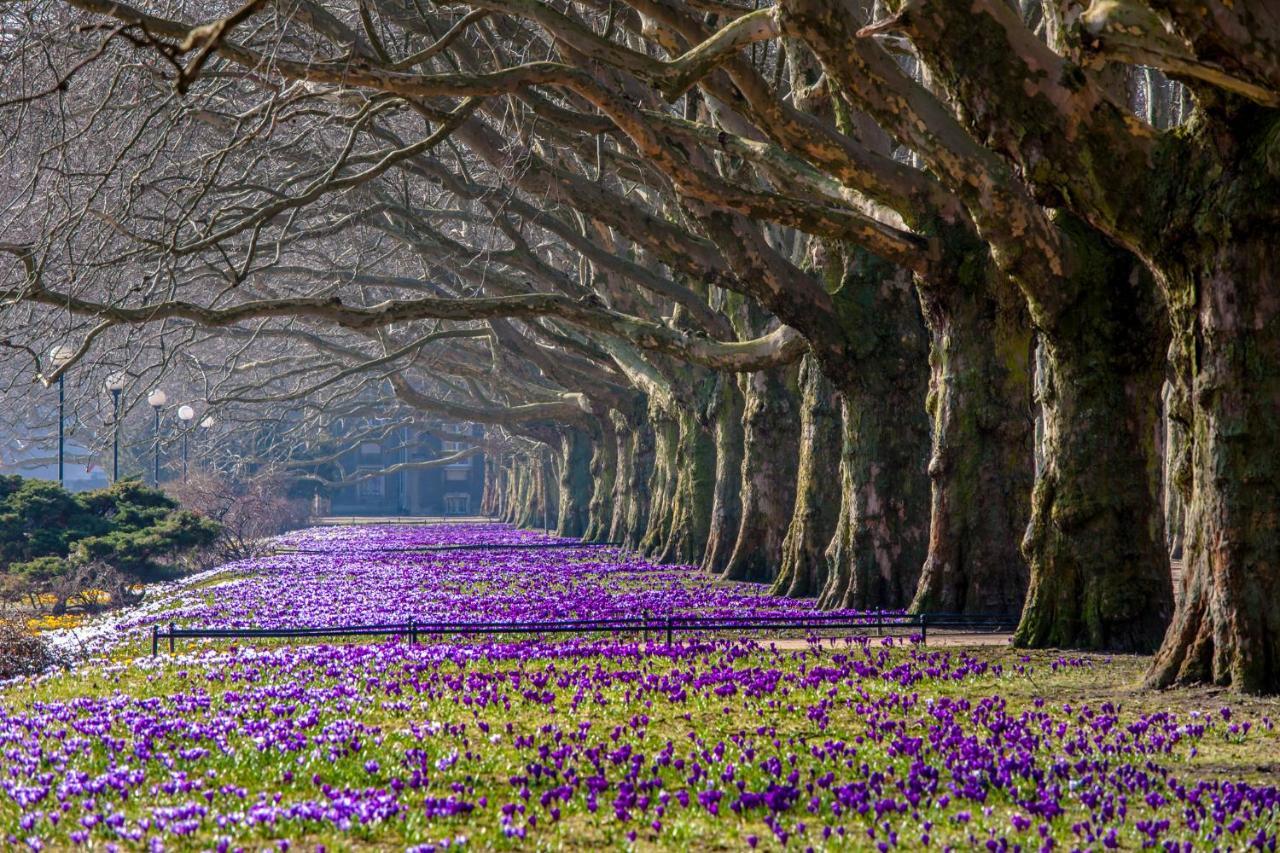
924	502
534	492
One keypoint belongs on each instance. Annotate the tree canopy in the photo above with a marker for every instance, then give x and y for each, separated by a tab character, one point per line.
904	304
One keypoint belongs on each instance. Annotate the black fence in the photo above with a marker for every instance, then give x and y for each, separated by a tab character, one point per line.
440	549
645	625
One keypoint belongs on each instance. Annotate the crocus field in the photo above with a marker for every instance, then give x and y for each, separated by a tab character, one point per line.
594	742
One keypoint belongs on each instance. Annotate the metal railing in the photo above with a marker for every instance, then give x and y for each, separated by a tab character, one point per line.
643	625
433	549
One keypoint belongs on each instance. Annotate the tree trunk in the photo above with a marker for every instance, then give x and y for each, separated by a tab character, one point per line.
623	436
549	489
604	472
489	492
635	469
882	533
522	492
771	432
1177	474
695	466
1099	570
726	501
817	506
982	467
662	484
575	487
1227	628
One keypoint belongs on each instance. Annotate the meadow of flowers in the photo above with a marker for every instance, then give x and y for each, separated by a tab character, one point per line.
600	741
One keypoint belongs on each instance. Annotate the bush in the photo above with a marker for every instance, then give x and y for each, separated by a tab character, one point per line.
248	512
78	548
21	651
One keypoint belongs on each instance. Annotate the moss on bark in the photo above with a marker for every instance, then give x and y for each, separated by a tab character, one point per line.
817	505
695	466
726	502
982	465
575	483
662	482
1227	627
1099	571
881	536
604	471
771	429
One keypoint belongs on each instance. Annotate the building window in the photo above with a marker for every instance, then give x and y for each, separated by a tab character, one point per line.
448	448
455	474
457	503
370	450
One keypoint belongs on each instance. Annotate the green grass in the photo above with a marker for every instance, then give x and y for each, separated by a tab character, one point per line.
495	758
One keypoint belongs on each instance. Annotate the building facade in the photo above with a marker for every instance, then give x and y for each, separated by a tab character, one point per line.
454	489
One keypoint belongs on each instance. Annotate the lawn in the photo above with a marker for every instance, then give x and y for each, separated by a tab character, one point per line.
586	743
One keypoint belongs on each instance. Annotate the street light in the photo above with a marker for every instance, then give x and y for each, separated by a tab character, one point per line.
206	424
185	414
115	384
155	400
60	355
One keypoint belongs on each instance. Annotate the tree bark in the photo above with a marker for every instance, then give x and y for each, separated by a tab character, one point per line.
982	467
1227	628
1099	570
695	465
817	507
662	484
575	486
726	502
882	534
635	471
771	432
604	472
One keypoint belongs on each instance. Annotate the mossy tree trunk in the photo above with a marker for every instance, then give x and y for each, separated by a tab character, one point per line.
635	471
1227	628
489	498
817	506
575	484
604	473
982	466
771	432
1177	481
882	532
549	466
695	472
662	482
538	494
521	484
1099	570
726	501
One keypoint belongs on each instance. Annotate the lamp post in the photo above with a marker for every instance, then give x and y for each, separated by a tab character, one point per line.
155	400
206	424
59	356
185	414
115	384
